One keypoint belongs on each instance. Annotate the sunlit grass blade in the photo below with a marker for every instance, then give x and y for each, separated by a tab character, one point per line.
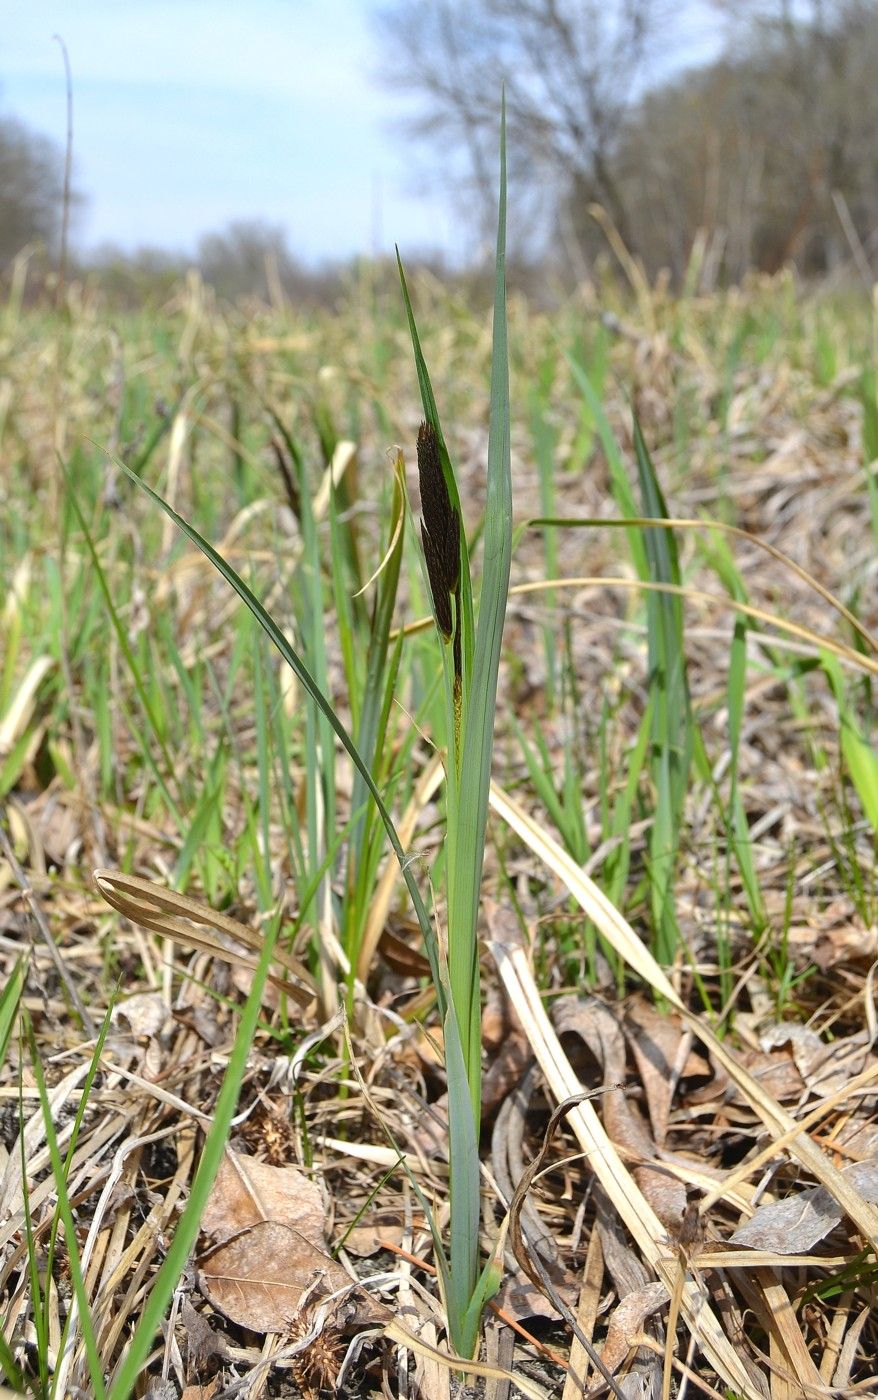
297	665
859	756
130	1368
672	739
478	741
470	666
65	1213
10	998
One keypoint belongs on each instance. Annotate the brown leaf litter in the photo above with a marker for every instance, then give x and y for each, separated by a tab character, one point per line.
710	1219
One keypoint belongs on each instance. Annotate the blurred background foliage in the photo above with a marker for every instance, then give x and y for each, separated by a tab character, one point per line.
759	156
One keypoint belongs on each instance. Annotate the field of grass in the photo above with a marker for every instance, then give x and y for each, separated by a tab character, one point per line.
236	1026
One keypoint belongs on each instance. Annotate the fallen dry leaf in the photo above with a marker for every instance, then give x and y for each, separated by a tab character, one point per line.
520	1299
775	1072
258	1277
627	1320
205	1348
366	1240
248	1192
825	1068
402	958
201	1392
795	1225
655	1038
602	1034
269	1249
147	1014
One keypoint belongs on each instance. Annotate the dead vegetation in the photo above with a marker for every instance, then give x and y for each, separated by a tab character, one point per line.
705	1218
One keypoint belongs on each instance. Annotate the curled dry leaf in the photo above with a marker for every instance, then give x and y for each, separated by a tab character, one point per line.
795	1225
627	1320
824	1068
597	1026
147	1014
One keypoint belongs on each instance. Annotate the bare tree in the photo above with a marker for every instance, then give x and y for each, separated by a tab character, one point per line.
248	258
570	67
818	103
31	190
768	155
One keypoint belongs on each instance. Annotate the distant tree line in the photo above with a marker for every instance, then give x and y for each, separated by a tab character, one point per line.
31	190
250	258
764	156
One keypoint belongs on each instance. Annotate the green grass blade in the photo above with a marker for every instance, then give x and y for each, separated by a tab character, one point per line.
294	661
8	1368
9	1003
463	1191
186	1231
860	758
619	483
59	1176
480	705
672	736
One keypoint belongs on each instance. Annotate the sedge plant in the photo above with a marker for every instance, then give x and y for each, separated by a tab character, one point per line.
470	639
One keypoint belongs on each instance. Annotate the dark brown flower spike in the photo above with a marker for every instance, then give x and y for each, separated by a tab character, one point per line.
440	530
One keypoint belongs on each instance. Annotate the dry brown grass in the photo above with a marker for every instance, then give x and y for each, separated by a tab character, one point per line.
728	1115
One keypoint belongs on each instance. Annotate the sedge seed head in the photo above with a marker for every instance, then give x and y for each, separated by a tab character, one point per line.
440	529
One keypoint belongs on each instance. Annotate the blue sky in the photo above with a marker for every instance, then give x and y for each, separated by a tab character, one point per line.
191	113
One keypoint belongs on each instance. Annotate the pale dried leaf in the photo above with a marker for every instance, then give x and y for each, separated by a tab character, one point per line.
627	1320
795	1225
366	1240
258	1277
824	1068
247	1192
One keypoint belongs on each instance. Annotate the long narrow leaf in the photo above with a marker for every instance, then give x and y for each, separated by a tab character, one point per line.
294	661
672	716
478	741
